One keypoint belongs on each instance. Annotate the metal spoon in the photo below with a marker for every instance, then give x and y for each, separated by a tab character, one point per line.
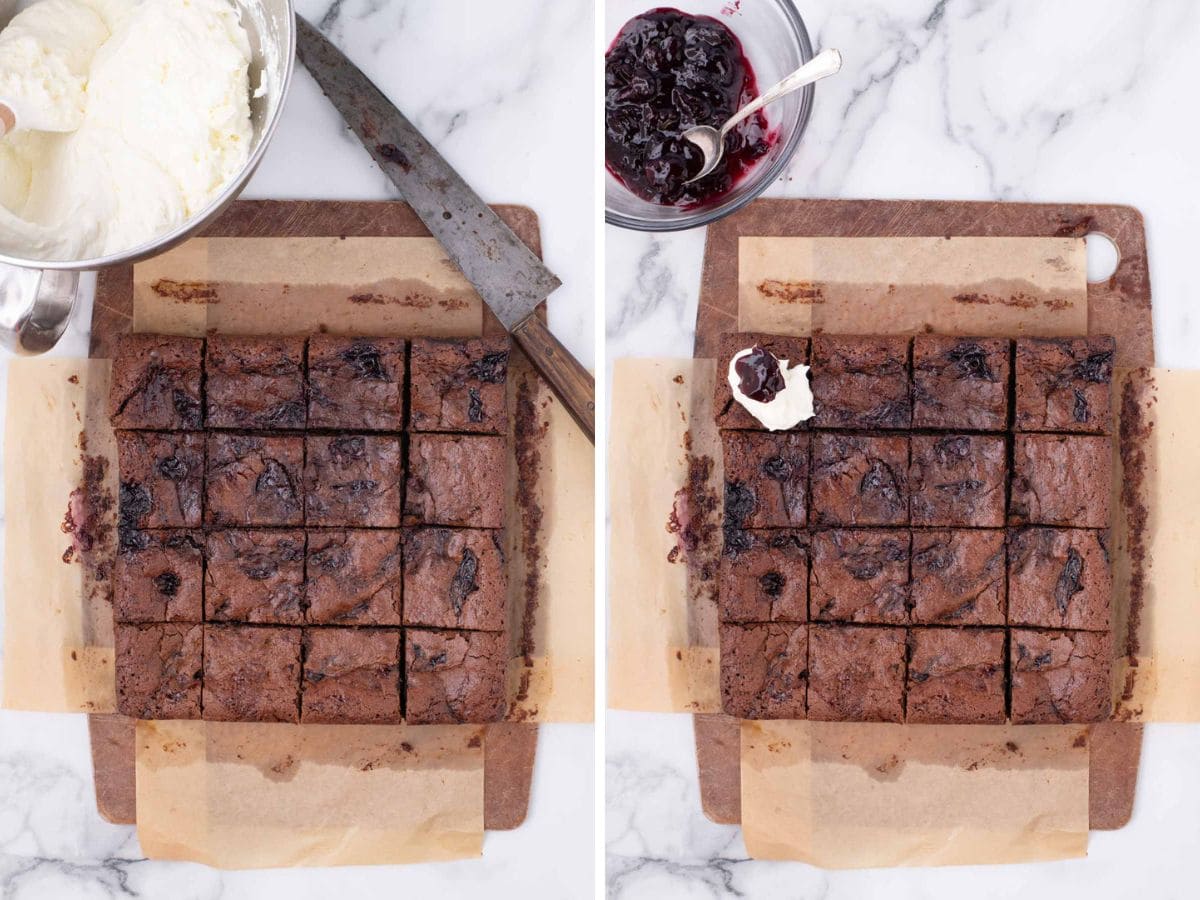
712	142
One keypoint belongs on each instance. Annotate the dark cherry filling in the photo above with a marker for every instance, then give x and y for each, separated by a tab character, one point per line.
666	72
759	375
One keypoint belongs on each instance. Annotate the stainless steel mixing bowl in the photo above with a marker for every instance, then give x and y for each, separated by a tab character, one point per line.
38	296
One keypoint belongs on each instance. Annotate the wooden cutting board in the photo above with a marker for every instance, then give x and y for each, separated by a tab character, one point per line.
1120	306
509	747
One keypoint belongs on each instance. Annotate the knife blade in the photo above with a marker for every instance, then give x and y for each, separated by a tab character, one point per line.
507	274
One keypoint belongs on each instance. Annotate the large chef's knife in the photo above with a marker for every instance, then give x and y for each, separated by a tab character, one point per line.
506	273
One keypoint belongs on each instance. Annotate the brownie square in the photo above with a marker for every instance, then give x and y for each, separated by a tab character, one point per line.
255	382
766	479
768	581
456	480
356	384
254	480
351	676
728	412
1059	578
251	673
956	676
960	383
158	670
859	480
159	577
958	480
156	383
1061	479
454	579
255	576
860	382
860	576
353	480
460	385
1060	676
958	577
353	578
1065	384
856	673
764	670
162	479
455	676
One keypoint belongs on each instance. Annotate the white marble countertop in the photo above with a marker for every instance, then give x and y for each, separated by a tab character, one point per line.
1074	101
485	82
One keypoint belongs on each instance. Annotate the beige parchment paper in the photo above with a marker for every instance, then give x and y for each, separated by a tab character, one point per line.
58	637
58	645
660	658
238	795
840	794
1156	574
978	286
655	604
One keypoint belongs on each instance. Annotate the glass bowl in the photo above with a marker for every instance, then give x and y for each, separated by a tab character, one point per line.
776	43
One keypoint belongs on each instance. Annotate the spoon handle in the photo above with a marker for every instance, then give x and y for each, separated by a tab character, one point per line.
824	64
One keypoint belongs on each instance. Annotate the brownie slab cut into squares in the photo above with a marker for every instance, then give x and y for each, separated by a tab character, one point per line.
859	479
860	382
956	676
159	577
156	383
766	479
958	577
860	576
254	480
353	480
255	576
1060	676
1061	479
255	383
730	413
354	577
356	384
767	581
960	383
856	673
162	479
455	676
764	670
1065	384
460	385
158	670
454	579
1059	578
456	480
958	480
351	676
251	673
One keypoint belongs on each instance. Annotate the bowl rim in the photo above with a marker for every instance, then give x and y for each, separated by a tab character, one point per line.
706	216
219	204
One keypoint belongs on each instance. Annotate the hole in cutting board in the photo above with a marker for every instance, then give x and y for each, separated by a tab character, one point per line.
1103	257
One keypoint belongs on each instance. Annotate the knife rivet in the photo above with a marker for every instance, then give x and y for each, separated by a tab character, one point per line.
446	215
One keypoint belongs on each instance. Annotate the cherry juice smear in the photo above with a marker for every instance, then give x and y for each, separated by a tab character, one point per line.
666	72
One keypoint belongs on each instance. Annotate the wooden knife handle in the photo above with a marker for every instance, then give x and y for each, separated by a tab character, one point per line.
570	381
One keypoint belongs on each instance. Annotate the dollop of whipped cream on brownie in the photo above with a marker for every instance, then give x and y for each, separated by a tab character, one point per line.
777	395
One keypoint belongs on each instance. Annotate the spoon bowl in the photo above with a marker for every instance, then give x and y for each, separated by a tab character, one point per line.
711	141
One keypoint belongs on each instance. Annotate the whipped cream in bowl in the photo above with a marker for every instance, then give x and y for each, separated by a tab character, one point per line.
140	122
777	394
